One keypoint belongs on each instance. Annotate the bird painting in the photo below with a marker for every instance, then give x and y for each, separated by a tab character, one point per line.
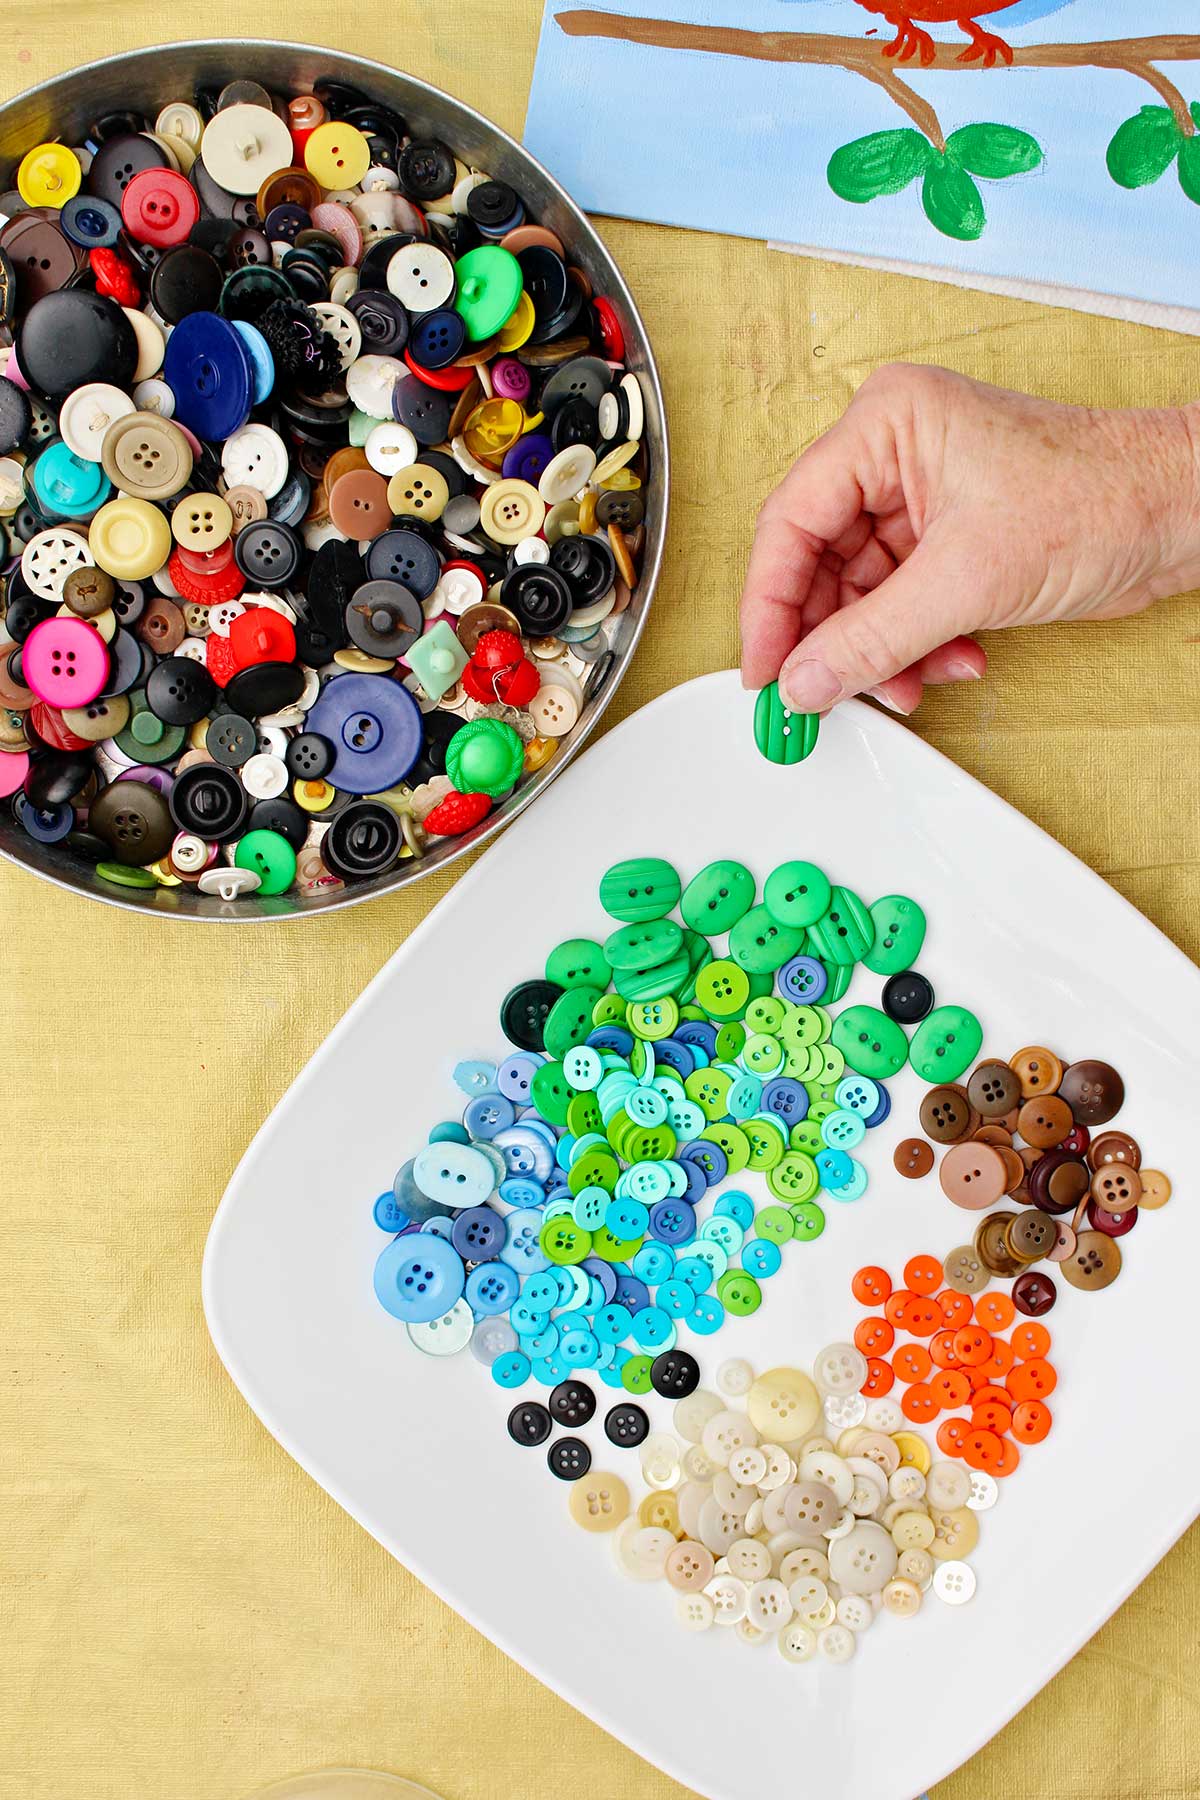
909	16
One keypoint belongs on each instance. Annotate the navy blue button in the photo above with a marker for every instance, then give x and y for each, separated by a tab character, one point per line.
423	409
478	1234
283	223
672	1221
437	338
375	728
631	1292
404	555
708	1157
674	1055
698	1032
45	824
612	1037
208	369
90	222
786	1098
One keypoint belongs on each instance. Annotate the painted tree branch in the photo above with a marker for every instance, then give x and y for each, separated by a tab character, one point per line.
1133	56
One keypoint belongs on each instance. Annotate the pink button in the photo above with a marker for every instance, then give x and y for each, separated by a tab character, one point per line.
64	661
511	379
14	766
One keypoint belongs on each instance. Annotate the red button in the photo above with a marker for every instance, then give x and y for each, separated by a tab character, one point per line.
611	336
218	657
207	562
160	207
260	634
448	381
204	590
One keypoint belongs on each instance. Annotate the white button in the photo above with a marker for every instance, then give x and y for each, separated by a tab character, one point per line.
343	284
840	1369
375	212
948	1485
449	1334
255	457
735	1377
902	1597
370	382
193	649
768	1605
631	387
985	1491
728	1596
189	853
49	557
954	1582
726	1432
825	1466
596	613
222	615
86	415
797	1644
692	1414
243	145
884	1415
264	776
748	1466
842	1411
808	1594
154	396
718	1528
863	1561
342	327
836	1644
182	121
855	1612
731	1496
390	447
565	474
229	883
421	276
749	1560
695	1612
554	710
379	180
532	550
151	343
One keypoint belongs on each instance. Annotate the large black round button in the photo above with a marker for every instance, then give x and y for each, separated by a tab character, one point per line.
525	1010
572	1403
186	280
267	552
74	337
363	840
134	820
264	687
674	1374
626	1425
180	691
529	1424
907	997
283	816
540	596
309	756
588	565
211	801
569	1458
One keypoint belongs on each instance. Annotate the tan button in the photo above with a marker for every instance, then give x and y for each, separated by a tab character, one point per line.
1038	1070
660	1509
1064	1243
1116	1187
162	625
1045	1121
993	1089
623	555
913	1531
956	1533
973	1175
151	343
554	710
201	521
1014	1168
243	145
99	719
358	504
511	510
362	662
599	1502
146	457
945	1114
418	492
964	1271
1095	1263
783	1405
1108	1147
1156	1189
12	729
902	1597
996	1135
1031	1235
992	1248
246	505
690	1566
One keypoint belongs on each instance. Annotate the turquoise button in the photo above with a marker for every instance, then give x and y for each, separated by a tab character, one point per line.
735	1205
511	1370
68	484
457	1174
707	1317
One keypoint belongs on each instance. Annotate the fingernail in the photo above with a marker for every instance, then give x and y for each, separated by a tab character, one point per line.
808	686
886	700
963	671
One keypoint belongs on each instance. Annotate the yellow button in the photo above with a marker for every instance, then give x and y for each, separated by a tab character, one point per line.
914	1451
493	427
419	492
129	539
49	175
313	796
599	1502
362	662
201	522
519	327
511	510
338	155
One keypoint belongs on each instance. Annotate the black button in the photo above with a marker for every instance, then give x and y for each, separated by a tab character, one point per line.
186	280
492	204
457	480
267	552
216	200
575	423
118	160
25	611
57	776
529	1423
423	409
569	1458
616	508
546	330
384	619
363	840
674	1374
440	727
372	270
381	319
572	1403
588	564
211	801
134	820
426	169
307	273
626	1425
16	415
545	279
524	1012
264	687
540	596
404	555
248	247
907	998
309	756
74	336
180	691
231	740
124	663
213	235
282	815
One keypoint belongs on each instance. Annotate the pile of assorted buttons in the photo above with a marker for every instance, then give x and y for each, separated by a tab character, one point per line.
322	478
1022	1131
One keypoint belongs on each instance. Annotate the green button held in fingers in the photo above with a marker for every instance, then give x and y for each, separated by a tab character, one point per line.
783	736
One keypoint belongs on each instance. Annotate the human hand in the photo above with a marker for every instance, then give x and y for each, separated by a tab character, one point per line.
938	506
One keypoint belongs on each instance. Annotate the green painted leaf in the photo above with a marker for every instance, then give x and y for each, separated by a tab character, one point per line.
884	163
1194	109
1144	147
994	151
1189	169
952	202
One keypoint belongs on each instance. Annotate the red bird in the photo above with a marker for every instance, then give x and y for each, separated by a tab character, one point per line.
910	40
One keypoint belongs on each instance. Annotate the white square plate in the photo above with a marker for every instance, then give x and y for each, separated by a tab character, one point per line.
416	1449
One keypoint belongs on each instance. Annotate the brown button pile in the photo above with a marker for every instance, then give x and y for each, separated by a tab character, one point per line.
1021	1131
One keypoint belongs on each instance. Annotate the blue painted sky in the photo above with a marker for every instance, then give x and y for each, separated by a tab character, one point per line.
723	144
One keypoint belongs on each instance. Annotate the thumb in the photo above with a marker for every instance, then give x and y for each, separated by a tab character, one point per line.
870	640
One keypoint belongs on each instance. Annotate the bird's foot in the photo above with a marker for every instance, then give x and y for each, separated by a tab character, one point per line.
984	44
909	41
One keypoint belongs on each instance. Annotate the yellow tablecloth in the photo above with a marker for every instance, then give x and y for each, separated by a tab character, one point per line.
184	1614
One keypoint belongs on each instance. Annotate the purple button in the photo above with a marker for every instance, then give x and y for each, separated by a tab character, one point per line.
375	727
478	1234
786	1098
803	979
527	458
511	379
161	780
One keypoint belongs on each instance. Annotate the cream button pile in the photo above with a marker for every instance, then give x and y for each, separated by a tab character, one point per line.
770	1528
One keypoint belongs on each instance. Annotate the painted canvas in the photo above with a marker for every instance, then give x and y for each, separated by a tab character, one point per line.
1022	141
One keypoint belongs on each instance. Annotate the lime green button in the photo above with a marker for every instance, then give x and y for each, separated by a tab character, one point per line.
614	1249
485	756
944	1044
733	1141
760	945
775	1223
763	1054
583	1113
739	1293
652	983
122	875
723	989
809	1221
715	899
644	945
597	1167
899	935
871	1043
801	1025
565	1242
845	931
609	1009
552	1095
569	1020
767	1143
269	856
645	887
578	962
782	735
730	1039
794	1176
797	893
652	1019
489	284
806	1136
635	1375
709	1088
